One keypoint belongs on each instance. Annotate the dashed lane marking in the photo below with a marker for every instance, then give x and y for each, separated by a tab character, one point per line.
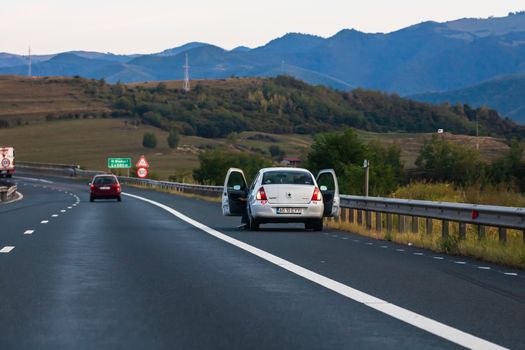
44	221
6	249
437	328
29	232
54	216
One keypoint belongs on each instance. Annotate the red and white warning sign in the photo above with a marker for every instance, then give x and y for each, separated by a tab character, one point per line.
142	163
142	172
6	162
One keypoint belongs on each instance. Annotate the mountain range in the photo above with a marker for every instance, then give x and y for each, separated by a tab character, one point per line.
429	57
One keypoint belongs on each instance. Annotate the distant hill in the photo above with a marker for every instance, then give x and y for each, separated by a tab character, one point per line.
427	57
505	94
216	108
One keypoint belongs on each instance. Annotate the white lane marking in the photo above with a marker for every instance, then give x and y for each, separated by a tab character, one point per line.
418	254
356	240
62	211
370	243
439	258
44	221
483	267
54	215
400	250
29	232
511	273
460	262
70	207
437	328
6	249
384	247
33	179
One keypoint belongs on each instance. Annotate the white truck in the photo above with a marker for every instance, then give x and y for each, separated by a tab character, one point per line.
7	161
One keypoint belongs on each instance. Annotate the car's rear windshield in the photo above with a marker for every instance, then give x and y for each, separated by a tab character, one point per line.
287	177
105	180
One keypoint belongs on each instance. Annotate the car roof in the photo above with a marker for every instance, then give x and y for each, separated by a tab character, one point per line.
106	175
285	169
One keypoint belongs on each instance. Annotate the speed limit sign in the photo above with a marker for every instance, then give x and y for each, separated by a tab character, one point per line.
142	172
6	162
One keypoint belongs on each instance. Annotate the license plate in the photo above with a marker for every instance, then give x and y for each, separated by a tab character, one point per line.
105	188
289	210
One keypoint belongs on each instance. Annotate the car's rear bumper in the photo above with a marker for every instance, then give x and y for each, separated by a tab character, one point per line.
105	195
268	212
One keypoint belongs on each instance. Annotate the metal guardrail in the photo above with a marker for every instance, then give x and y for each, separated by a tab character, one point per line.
357	209
7	191
203	190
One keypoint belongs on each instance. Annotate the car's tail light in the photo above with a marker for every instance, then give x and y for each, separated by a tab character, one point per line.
317	196
261	195
92	187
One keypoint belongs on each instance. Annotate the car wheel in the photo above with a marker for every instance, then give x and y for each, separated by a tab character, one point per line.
119	199
318	225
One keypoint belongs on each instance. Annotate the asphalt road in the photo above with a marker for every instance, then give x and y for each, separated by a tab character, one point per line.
131	275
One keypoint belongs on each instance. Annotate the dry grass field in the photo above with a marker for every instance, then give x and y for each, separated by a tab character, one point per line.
31	99
89	142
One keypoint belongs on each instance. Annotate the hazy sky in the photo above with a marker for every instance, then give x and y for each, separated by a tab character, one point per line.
146	26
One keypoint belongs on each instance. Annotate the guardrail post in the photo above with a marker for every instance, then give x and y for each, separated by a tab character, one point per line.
389	223
415	224
343	214
368	219
351	215
401	223
378	221
462	230
502	234
359	217
481	232
444	231
429	226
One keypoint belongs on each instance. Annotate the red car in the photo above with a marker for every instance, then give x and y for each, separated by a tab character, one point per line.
104	187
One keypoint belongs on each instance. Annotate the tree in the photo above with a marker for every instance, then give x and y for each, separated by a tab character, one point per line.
149	140
442	161
276	152
173	138
345	153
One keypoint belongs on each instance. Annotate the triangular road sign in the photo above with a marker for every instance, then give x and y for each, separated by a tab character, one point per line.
142	163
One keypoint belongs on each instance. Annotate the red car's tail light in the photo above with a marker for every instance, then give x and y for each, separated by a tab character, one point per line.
261	195
91	187
317	196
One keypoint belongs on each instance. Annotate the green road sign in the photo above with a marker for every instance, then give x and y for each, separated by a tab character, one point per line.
119	163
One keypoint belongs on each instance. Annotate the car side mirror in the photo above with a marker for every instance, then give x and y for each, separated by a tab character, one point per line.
237	187
324	188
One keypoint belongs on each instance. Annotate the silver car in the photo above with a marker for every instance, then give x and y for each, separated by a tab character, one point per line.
282	195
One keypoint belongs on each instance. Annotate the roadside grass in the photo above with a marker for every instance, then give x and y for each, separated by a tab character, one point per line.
488	248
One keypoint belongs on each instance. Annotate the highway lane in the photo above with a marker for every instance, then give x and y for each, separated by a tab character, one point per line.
127	274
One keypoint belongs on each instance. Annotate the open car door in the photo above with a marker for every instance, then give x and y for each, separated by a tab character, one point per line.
235	189
329	187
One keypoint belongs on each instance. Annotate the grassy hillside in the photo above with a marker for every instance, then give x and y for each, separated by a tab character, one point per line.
88	142
214	109
28	100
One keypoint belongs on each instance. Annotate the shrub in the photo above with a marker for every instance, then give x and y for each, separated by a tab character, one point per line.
173	139
149	140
